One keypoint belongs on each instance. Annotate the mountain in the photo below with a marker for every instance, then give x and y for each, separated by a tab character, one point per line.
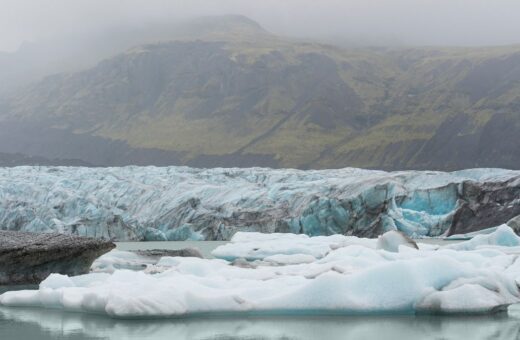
11	160
236	95
35	60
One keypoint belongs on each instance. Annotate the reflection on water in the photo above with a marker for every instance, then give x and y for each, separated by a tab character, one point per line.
21	323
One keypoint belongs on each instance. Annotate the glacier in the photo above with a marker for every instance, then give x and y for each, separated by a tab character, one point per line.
181	203
293	274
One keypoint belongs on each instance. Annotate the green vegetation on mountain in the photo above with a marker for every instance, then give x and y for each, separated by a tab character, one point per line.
238	95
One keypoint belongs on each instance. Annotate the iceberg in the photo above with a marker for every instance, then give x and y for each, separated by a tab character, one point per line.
294	275
502	236
181	203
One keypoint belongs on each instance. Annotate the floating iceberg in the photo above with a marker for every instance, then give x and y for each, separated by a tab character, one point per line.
180	203
297	274
503	236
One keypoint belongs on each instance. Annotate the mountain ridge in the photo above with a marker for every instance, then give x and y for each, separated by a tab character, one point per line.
241	96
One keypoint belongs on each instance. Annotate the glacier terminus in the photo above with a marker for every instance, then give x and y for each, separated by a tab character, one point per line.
182	203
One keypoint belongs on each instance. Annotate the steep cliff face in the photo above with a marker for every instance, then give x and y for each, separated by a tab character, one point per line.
239	96
180	203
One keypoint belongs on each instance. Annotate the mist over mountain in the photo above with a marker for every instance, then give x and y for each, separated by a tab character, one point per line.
223	91
78	51
363	22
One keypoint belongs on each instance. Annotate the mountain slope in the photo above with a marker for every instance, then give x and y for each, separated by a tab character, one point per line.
452	109
34	60
237	95
11	160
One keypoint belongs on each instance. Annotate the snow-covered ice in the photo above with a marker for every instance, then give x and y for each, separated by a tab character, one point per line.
297	274
180	203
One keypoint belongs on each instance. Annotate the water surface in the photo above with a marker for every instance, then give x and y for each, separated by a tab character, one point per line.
205	247
37	324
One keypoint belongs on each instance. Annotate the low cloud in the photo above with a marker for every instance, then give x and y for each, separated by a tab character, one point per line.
407	22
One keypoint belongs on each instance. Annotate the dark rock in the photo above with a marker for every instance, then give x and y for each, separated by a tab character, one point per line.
185	252
27	258
484	205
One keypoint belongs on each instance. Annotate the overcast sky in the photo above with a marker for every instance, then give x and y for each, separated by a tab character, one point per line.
408	22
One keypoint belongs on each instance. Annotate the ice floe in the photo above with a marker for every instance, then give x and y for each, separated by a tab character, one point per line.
296	274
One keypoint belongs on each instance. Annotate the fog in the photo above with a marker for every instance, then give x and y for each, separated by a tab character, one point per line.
369	22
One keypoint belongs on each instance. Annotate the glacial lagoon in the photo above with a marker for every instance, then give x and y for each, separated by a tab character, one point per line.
42	324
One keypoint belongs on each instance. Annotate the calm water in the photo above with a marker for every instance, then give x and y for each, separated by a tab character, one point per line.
39	324
204	246
29	324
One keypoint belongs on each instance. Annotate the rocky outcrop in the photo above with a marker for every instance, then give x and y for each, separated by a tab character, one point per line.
27	258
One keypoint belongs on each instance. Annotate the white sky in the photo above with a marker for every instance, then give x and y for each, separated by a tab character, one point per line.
413	22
